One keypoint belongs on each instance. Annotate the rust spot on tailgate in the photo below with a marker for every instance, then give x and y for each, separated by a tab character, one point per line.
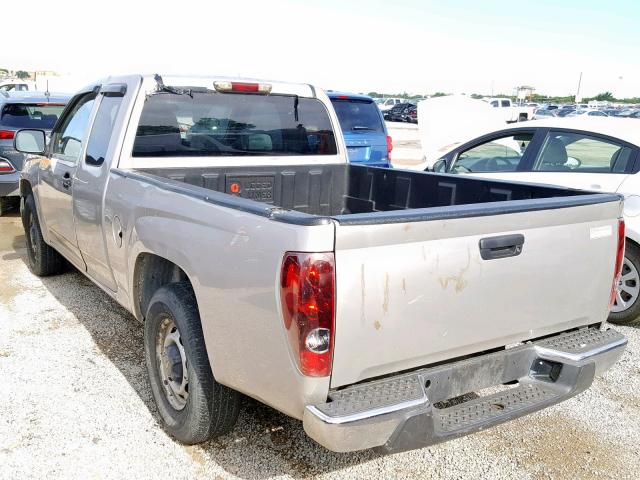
458	280
377	325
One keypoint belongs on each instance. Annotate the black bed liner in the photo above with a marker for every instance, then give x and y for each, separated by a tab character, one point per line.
348	193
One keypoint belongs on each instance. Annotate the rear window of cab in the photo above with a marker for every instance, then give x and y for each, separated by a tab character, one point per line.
36	115
233	124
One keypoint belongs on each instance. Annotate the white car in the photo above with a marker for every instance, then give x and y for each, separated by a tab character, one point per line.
601	154
385	104
587	113
510	111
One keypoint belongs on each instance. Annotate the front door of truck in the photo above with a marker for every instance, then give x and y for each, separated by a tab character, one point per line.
57	175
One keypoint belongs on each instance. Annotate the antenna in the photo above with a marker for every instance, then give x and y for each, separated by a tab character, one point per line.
47	94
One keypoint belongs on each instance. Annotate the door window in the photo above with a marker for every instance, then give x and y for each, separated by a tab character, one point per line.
563	151
101	131
502	154
505	103
70	136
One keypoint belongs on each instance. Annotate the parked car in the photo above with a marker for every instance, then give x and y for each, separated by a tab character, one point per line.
631	113
21	110
565	110
15	86
356	299
544	113
399	112
511	112
412	114
587	113
385	104
601	154
363	128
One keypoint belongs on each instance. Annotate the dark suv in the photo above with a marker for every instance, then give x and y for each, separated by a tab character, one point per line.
398	113
22	110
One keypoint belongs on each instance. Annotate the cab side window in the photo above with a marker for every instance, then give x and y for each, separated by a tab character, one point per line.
564	151
502	154
100	136
68	140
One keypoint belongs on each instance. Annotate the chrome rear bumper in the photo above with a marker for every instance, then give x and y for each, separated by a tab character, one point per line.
404	412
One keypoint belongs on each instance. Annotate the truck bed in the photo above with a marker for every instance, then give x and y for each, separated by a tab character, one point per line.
434	266
350	193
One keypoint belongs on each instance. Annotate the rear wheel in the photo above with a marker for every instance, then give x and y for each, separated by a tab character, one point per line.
626	308
193	406
43	259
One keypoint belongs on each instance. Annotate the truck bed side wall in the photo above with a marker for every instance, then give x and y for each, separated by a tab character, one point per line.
233	260
354	189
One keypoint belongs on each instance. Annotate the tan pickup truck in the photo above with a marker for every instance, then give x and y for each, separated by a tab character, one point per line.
224	215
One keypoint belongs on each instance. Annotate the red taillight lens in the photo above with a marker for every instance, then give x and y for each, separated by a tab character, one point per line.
619	259
5	166
389	146
307	293
7	134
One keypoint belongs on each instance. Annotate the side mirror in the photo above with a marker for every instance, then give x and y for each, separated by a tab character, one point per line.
440	166
30	141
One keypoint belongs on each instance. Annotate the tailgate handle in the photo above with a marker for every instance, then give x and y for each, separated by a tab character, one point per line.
501	247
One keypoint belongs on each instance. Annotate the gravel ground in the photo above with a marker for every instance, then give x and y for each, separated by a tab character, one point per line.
76	404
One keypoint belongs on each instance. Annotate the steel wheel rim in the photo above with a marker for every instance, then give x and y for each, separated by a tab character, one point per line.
172	364
628	287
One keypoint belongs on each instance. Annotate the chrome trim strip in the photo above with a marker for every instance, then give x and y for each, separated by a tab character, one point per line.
580	357
367	414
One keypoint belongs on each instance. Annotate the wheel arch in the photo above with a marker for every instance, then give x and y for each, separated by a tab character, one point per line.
25	187
150	273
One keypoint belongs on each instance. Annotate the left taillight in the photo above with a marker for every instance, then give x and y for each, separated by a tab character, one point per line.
307	294
5	166
7	134
619	259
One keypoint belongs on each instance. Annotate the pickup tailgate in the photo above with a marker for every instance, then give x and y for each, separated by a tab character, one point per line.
415	293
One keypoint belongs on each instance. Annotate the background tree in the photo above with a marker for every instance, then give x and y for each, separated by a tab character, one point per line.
606	96
22	75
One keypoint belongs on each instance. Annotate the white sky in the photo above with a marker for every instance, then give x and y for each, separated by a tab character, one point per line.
405	45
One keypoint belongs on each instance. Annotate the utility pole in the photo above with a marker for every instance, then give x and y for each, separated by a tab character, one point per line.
578	99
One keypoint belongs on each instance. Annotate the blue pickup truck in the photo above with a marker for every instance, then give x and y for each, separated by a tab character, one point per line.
365	132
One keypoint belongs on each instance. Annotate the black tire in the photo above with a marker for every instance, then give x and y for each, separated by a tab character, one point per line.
8	204
43	259
629	315
211	409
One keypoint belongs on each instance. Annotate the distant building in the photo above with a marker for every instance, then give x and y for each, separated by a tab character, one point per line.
525	92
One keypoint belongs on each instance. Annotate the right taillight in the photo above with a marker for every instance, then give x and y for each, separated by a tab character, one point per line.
389	146
5	166
7	134
307	293
619	259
